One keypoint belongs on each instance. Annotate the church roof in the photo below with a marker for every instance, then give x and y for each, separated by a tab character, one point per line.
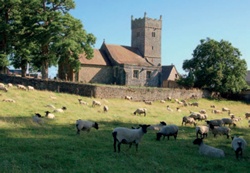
166	71
99	58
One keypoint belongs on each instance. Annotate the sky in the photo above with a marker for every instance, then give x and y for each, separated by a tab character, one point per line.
184	23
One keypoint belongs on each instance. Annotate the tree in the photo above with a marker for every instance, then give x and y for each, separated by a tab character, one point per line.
217	66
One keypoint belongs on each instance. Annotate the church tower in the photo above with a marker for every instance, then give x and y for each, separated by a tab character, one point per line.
146	36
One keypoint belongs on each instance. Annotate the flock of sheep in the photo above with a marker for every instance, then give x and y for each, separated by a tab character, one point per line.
124	135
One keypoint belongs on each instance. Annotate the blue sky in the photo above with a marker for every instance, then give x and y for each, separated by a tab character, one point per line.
184	23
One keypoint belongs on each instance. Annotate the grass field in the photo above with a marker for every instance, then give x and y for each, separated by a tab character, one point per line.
54	146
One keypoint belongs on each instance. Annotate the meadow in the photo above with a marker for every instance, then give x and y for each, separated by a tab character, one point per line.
54	146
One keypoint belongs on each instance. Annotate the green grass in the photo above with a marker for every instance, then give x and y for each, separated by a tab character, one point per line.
54	146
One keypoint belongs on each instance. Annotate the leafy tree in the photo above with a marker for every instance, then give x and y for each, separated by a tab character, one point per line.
217	66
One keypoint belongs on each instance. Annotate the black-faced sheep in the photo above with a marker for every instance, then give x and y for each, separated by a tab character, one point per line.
169	109
37	118
96	103
85	125
157	126
220	130
247	115
168	130
208	150
49	115
225	109
128	98
61	110
124	135
202	130
228	121
238	145
188	120
141	111
105	108
81	102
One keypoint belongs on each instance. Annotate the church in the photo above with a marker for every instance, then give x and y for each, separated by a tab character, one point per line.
135	65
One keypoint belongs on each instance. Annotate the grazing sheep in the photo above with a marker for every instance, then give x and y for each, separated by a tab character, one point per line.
247	115
202	117
2	84
157	126
9	100
61	110
220	130
194	115
188	120
178	109
215	111
203	111
3	88
236	119
37	118
148	102
228	121
49	115
225	109
208	150
96	103
202	130
124	135
162	101
238	145
168	130
81	102
169	109
85	125
22	87
30	88
9	85
141	111
105	108
212	106
128	98
216	122
195	104
169	98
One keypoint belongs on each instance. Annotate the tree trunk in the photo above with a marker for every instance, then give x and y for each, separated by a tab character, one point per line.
45	71
24	69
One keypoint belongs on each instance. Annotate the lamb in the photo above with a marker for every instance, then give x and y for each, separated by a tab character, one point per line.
61	110
216	122
202	130
157	126
30	88
238	145
85	125
168	130
96	103
247	115
49	115
37	118
3	88
124	135
141	111
228	121
220	130
128	98
105	108
81	102
188	120
208	150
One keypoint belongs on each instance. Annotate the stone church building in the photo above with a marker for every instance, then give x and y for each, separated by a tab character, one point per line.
135	65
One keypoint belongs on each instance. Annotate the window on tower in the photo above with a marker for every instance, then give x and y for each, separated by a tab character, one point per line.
153	34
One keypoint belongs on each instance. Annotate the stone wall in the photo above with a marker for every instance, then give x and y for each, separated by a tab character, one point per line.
106	91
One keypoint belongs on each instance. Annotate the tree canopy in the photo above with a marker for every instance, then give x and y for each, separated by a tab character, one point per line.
216	66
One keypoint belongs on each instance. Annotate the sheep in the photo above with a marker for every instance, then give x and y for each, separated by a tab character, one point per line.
37	118
81	102
22	87
215	122
195	104
9	85
188	120
208	150
225	109
178	109
194	115
168	130
202	130
162	101
61	110
169	109
228	121
30	88
220	130
247	115
128	98
212	106
2	84
202	117
85	125
238	145
148	102
236	119
203	111
157	126
124	135
9	100
169	98
49	115
96	103
215	111
3	88
105	108
141	111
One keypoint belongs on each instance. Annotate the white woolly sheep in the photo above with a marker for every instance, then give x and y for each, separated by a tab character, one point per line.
22	87
105	108
228	121
247	115
37	118
217	111
194	115
124	135
203	111
2	84
202	130
85	125
169	98
128	97
96	103
61	110
169	109
9	100
148	102
225	109
81	102
202	117
3	88
195	104
49	115
208	150
141	111
162	101
9	85
216	122
157	126
188	120
212	106
30	88
168	130
238	145
220	130
178	109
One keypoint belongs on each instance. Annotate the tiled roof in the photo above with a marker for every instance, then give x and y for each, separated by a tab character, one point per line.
166	71
98	59
126	55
